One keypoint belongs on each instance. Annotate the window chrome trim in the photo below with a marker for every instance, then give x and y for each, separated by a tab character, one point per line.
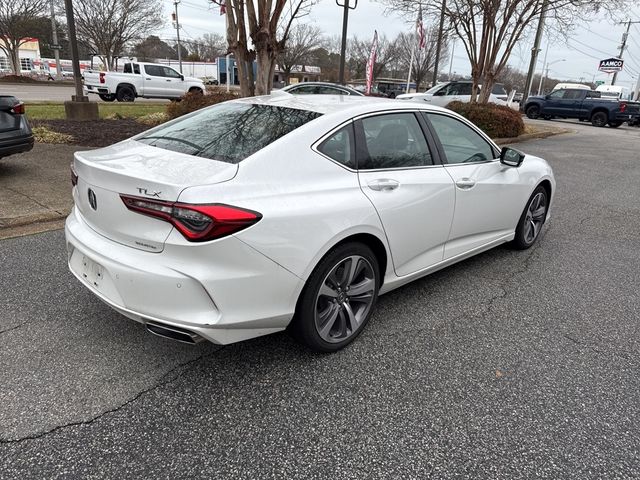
314	146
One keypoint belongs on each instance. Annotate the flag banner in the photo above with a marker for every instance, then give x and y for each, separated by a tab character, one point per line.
420	30
371	62
223	7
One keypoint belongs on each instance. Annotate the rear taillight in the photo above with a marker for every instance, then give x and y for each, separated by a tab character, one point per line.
18	109
623	107
74	176
102	80
197	223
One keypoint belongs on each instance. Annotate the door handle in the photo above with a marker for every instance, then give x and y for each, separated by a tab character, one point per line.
383	184
168	80
147	78
465	183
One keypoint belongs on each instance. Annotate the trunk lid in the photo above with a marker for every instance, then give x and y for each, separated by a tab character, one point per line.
135	169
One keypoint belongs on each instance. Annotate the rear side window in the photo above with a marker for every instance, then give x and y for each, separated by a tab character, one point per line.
228	132
498	90
392	140
340	147
154	70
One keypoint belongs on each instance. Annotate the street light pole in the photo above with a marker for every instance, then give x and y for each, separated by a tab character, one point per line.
534	53
54	37
343	44
178	34
439	43
545	73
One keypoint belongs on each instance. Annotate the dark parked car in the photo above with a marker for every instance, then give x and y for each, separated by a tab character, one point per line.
15	132
320	88
585	105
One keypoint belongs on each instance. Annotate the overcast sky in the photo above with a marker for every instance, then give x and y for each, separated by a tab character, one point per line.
597	39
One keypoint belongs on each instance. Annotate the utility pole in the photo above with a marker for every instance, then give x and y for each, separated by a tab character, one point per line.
625	35
55	46
544	62
343	44
439	43
453	49
178	34
636	93
534	53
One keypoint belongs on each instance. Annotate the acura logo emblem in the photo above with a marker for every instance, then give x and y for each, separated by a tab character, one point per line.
92	199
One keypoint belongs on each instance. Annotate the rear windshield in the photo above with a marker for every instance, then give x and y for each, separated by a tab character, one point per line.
229	132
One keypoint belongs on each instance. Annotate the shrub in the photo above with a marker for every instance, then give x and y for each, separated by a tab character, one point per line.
497	121
44	135
153	119
192	101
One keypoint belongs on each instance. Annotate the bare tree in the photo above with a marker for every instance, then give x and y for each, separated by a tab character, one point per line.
490	29
17	18
304	38
109	26
424	59
266	24
360	50
213	46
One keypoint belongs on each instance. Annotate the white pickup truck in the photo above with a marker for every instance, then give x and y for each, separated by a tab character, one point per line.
146	80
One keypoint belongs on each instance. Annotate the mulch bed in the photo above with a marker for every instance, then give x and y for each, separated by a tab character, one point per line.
95	133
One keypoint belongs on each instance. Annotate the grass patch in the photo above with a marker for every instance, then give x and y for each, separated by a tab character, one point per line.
55	111
44	135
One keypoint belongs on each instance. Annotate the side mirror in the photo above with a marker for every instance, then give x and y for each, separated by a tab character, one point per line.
511	157
182	77
547	97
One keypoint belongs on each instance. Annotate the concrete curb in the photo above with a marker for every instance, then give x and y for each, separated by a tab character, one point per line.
531	136
47	216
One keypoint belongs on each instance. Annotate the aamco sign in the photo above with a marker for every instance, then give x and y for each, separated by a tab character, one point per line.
611	65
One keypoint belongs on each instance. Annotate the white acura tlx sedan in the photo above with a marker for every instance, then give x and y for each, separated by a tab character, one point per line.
268	213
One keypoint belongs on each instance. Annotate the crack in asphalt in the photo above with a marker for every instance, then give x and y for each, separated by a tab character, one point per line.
184	366
30	198
13	328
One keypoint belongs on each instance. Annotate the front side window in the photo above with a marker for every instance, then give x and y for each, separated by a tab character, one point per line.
340	147
227	132
572	95
460	142
154	70
557	94
170	72
392	141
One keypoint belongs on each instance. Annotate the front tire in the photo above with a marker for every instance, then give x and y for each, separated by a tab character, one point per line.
107	97
532	219
533	112
338	299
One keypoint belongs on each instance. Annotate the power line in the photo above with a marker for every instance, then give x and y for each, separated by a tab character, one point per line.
590	47
580	51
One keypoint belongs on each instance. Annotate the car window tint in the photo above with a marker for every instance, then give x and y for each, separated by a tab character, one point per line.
170	72
460	142
154	70
498	89
443	90
228	132
136	69
340	147
572	94
393	141
464	89
330	91
557	94
305	90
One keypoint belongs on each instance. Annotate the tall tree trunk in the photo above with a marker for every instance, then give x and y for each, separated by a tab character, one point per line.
15	61
263	79
487	86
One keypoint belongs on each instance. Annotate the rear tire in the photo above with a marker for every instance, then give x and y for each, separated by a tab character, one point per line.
125	94
533	112
599	119
338	298
110	97
196	90
532	219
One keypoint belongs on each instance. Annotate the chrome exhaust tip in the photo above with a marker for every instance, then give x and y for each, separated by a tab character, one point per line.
174	333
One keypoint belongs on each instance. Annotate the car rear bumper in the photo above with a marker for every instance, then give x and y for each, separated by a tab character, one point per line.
16	145
224	291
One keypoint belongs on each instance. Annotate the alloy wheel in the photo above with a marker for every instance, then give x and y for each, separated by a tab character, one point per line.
344	299
534	219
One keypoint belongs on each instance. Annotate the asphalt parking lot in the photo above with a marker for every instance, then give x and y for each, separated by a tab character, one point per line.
50	93
508	365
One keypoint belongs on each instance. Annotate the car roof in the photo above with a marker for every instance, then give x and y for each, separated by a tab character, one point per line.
329	104
326	84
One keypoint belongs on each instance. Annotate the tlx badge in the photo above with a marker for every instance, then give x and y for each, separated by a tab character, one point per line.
151	193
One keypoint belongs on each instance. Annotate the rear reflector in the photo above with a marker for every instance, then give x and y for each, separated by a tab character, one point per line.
18	109
197	223
623	107
102	80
